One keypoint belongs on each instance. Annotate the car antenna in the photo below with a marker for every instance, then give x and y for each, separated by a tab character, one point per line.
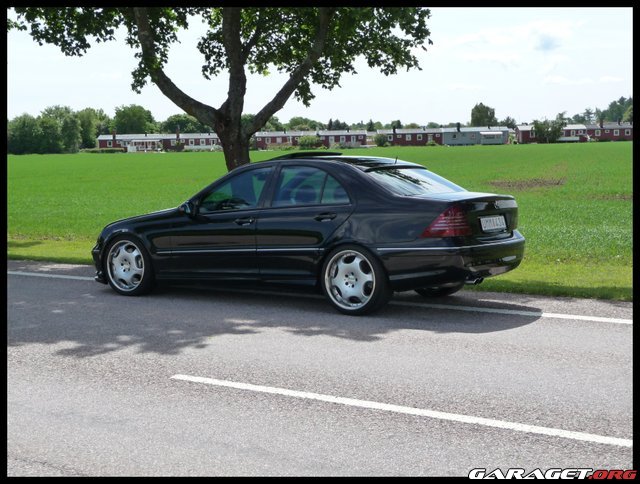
396	160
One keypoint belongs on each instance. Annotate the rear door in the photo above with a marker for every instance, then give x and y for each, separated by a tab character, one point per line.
307	208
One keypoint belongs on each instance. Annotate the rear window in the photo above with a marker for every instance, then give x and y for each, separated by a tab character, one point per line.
412	181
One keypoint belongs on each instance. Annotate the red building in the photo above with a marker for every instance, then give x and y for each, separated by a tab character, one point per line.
156	141
582	132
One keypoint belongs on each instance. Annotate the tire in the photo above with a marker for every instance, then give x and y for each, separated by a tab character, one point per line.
354	281
440	291
128	267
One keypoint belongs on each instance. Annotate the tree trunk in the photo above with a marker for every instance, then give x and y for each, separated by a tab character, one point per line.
235	149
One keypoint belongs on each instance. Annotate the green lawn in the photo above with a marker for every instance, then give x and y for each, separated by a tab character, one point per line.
575	204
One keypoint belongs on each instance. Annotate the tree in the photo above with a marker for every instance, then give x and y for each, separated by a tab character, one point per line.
337	125
482	115
51	139
105	123
588	115
549	131
23	135
309	142
396	124
133	119
509	122
323	45
186	123
88	127
380	140
299	123
71	133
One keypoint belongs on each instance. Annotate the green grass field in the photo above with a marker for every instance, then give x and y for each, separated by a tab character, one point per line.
575	204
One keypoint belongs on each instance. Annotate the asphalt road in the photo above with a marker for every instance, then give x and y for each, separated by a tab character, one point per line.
214	382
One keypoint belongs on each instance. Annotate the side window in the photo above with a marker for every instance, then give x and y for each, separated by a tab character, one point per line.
334	192
304	185
239	193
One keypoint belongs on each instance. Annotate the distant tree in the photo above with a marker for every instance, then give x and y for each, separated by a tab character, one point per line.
599	116
23	135
578	118
588	115
186	123
380	140
273	124
432	125
482	115
105	123
88	127
562	117
396	124
509	122
549	131
299	123
309	142
371	126
51	139
412	126
628	115
133	119
338	125
615	111
71	133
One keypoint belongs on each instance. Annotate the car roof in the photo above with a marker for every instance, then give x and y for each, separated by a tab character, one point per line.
363	162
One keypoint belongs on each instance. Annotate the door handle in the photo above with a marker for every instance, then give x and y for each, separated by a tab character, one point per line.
244	221
323	217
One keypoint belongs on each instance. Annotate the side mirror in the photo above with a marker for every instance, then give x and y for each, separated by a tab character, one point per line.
188	208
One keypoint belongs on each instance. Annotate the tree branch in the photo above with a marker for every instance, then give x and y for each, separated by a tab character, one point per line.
232	107
315	51
195	108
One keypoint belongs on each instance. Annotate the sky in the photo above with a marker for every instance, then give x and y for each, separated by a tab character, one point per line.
526	63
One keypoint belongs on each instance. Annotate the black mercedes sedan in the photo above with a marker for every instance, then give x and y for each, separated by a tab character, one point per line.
357	228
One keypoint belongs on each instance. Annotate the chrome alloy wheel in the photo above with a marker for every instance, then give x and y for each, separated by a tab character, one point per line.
350	279
125	265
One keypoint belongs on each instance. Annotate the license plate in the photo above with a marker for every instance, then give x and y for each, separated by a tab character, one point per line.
493	224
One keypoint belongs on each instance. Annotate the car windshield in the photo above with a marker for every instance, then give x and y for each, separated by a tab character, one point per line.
410	181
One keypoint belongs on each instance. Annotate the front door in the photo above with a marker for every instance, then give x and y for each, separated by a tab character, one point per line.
219	242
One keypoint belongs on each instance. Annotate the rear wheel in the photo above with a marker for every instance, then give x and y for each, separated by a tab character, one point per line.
354	281
128	267
440	291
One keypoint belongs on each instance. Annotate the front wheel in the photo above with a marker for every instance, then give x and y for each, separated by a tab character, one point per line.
128	267
354	281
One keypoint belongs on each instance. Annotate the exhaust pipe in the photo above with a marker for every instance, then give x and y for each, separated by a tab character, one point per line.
474	282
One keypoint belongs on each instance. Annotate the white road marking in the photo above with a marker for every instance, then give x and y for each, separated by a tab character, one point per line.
475	309
50	276
468	419
515	312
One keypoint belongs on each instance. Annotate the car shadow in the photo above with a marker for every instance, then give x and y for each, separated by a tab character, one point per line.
95	320
308	313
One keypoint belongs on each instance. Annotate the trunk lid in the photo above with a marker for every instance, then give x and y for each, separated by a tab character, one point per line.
489	215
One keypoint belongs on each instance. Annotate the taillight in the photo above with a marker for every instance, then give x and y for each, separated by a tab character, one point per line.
450	223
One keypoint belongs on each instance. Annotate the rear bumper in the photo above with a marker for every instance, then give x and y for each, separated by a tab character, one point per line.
414	267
